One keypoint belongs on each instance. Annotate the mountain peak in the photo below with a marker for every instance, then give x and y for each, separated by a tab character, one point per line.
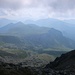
20	23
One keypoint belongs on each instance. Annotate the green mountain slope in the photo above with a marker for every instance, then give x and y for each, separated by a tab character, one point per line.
35	36
20	29
10	42
52	39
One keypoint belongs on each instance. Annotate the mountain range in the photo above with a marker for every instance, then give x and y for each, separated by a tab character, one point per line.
38	37
65	27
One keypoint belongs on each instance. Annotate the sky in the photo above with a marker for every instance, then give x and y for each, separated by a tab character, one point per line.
37	9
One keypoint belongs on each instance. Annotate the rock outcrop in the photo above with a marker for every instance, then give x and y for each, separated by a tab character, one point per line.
63	65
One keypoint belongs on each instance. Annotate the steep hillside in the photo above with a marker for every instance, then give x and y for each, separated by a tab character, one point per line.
52	39
9	39
63	65
65	61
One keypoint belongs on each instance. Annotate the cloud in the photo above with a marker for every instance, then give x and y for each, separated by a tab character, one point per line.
16	4
36	9
63	5
11	4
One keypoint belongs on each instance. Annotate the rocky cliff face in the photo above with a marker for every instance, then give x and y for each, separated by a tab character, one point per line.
66	61
63	65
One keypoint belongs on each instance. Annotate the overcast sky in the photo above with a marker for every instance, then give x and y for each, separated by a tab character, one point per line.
37	9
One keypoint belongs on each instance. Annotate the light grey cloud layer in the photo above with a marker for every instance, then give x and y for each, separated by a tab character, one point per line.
37	9
63	5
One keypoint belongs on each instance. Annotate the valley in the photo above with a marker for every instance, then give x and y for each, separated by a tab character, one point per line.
30	47
37	37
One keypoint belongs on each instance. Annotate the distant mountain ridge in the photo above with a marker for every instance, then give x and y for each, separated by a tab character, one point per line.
36	36
66	28
4	22
21	29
